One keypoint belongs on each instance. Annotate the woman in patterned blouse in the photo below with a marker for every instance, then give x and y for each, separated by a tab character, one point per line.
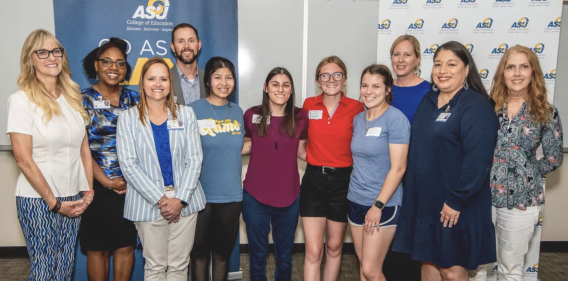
104	230
526	120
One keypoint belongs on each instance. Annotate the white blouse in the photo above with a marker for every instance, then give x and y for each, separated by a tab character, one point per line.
56	146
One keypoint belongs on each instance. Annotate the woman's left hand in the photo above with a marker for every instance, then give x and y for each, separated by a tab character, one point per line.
372	220
449	216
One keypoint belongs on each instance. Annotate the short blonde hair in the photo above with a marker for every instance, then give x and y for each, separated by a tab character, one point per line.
36	90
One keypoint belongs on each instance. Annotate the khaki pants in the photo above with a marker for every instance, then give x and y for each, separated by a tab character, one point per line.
167	247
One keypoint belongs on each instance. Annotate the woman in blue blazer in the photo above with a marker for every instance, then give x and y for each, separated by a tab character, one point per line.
160	155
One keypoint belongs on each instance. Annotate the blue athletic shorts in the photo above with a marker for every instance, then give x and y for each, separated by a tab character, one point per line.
356	214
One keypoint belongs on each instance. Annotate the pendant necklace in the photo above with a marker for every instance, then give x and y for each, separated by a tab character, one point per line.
226	107
275	139
368	124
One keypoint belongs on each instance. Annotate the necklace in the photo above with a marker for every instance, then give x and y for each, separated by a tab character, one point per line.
226	107
368	124
275	139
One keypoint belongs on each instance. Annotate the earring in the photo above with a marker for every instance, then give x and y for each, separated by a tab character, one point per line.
434	88
97	76
465	86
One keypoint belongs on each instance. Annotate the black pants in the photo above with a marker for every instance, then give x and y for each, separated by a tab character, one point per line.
216	229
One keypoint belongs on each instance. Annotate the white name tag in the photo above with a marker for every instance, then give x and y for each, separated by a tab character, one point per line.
443	117
256	119
374	132
175	125
206	124
101	104
316	114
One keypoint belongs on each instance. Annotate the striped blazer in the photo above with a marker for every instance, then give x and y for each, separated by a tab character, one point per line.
140	166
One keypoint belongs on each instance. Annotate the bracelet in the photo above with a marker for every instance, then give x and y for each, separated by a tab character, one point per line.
89	192
56	208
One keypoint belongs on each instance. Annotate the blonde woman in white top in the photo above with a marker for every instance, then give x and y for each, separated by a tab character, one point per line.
46	124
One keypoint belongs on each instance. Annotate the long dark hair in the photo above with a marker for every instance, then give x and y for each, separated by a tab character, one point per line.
212	65
113	42
473	79
288	125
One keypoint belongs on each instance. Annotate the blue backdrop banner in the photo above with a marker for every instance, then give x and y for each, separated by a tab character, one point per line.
146	25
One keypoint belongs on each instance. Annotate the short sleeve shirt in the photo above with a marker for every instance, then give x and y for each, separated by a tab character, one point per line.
56	145
221	130
272	176
371	157
102	127
329	137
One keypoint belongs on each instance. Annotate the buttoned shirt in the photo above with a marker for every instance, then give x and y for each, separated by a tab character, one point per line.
329	135
190	89
516	175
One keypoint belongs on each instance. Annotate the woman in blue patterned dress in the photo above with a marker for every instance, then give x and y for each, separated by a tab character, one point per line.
103	230
526	120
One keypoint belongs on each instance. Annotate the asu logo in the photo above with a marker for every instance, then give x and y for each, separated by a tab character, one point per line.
418	24
158	12
486	23
484	73
501	49
539	223
431	50
433	1
534	268
452	24
400	2
418	72
386	24
522	23
551	75
495	268
538	48
556	23
469	48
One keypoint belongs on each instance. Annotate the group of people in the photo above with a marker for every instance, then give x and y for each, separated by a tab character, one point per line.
413	162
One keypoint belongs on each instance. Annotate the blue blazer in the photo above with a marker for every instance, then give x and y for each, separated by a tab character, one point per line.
140	166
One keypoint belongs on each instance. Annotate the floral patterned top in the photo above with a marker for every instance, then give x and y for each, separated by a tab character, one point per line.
516	174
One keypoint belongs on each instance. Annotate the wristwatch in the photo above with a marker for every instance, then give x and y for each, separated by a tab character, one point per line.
379	204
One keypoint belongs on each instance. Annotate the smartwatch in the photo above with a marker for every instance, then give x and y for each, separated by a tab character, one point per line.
379	204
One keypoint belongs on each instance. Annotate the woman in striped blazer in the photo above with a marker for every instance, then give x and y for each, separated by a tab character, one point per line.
160	155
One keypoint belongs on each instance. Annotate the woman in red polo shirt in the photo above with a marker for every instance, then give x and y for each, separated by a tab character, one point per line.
323	200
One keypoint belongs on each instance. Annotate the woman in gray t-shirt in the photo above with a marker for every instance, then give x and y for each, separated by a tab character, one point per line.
379	146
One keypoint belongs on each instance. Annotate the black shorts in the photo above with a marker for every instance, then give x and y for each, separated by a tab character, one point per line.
324	193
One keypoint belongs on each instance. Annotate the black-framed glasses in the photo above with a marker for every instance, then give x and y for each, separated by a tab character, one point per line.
44	54
109	63
326	76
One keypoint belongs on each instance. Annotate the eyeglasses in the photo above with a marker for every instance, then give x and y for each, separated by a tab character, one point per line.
324	77
109	63
44	54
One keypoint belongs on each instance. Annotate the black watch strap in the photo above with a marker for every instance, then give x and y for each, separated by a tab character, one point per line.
379	204
183	203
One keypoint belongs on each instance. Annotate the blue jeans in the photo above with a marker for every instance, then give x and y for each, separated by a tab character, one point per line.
258	218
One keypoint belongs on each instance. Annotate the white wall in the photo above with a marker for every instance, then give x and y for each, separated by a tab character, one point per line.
39	15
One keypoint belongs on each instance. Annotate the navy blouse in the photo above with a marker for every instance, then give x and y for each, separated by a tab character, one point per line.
162	141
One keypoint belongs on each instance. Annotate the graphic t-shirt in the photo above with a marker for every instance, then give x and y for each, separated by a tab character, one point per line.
221	130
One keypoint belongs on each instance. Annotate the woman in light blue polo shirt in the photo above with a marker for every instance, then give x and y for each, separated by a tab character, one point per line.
380	145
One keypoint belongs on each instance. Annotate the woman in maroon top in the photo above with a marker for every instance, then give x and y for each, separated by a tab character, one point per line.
277	131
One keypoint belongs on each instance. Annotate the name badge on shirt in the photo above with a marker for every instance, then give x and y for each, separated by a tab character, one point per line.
316	114
374	132
443	117
206	124
101	104
256	119
175	125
